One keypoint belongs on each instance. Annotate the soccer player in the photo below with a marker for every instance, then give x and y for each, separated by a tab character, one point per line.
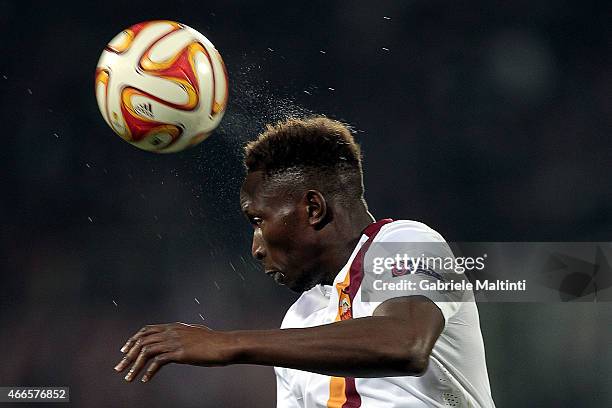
304	196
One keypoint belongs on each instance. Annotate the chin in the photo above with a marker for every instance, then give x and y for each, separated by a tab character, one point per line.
300	289
301	284
297	289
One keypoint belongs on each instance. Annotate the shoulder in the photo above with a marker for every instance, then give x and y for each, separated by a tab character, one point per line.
408	231
308	303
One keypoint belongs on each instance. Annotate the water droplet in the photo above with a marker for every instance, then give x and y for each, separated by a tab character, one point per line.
270	49
4	76
29	91
331	89
322	52
196	300
159	236
307	93
56	135
90	219
201	317
217	285
387	18
385	49
114	303
87	165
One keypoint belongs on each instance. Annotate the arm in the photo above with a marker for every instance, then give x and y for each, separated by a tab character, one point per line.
395	341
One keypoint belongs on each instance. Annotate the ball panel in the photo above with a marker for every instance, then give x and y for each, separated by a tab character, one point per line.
102	77
150	33
139	116
220	89
199	138
113	107
138	27
162	53
159	138
179	70
201	64
122	41
221	83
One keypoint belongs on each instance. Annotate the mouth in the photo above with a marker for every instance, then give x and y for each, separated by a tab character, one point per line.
277	275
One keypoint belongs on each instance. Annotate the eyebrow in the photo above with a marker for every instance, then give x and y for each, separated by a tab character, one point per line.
245	208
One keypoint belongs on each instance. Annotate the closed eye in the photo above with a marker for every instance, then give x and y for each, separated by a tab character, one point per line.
256	221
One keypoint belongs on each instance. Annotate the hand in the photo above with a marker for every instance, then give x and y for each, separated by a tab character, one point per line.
172	343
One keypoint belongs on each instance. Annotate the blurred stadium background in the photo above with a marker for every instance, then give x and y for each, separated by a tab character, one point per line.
489	121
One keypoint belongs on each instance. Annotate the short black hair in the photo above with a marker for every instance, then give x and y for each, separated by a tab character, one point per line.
320	151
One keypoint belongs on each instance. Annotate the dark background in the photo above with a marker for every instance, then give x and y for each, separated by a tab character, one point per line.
488	121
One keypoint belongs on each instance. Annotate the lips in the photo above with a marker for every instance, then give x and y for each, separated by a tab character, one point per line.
277	275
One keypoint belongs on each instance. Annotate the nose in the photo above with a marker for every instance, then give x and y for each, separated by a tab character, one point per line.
257	248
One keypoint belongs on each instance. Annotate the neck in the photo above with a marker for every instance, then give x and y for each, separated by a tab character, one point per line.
346	233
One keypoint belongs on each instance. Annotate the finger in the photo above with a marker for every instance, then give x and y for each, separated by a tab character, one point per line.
146	353
140	333
158	362
136	348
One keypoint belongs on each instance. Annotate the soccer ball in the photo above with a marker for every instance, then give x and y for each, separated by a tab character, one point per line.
161	86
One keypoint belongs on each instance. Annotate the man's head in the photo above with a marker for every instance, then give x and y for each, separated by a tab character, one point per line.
302	175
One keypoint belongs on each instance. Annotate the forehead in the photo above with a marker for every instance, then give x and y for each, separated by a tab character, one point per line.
258	192
252	190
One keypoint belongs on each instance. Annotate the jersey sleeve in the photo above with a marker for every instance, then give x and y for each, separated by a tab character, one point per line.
285	398
415	239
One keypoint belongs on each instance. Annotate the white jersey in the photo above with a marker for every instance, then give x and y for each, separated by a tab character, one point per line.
455	377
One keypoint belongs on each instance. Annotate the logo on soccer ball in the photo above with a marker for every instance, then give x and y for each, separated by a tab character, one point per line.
145	109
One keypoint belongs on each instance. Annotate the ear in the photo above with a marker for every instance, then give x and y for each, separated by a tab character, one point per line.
316	208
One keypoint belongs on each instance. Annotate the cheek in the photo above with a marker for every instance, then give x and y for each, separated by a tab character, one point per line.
282	235
277	237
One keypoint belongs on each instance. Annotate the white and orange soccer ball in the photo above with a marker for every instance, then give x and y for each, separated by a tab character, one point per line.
162	86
